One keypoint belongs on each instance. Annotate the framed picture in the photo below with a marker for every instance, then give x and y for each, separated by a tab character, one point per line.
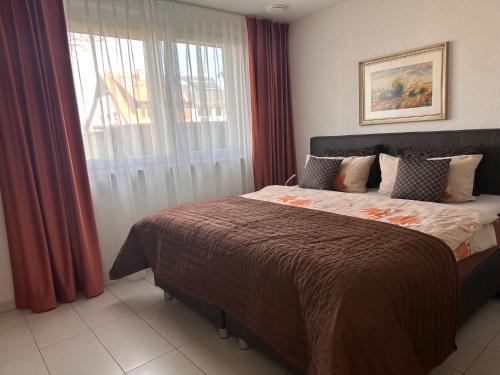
403	87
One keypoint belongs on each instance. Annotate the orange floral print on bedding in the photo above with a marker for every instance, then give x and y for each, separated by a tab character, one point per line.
339	183
300	202
462	251
287	198
446	195
293	200
467	228
376	212
404	219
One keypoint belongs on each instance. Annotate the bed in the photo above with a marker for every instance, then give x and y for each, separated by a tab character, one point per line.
291	317
480	278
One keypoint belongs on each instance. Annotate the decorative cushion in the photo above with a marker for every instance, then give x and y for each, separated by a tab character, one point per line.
389	170
353	174
421	180
374	177
460	182
319	173
441	152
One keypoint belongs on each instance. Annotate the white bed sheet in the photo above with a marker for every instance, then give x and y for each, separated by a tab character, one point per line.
486	237
485	202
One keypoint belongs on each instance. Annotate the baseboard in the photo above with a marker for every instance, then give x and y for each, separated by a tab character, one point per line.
7	305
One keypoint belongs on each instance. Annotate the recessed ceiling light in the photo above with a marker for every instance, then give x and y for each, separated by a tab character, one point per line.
276	8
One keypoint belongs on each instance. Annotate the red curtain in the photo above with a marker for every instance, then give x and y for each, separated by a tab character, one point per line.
272	127
46	197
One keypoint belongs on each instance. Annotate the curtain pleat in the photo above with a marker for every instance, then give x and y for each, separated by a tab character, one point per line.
164	102
272	127
49	217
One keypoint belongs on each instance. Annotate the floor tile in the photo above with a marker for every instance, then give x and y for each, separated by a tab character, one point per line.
173	363
462	358
488	363
10	317
137	294
479	330
102	309
56	325
80	355
15	337
150	278
223	357
177	323
32	364
495	343
491	312
443	370
132	342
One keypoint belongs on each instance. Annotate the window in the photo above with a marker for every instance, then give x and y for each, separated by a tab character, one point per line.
163	96
115	100
113	96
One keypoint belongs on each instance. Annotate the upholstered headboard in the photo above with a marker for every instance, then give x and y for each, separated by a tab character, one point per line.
488	176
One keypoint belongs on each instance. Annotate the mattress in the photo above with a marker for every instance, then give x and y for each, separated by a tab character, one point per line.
486	237
485	202
464	229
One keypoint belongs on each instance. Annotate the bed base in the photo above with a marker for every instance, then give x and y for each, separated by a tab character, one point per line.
243	344
167	296
475	290
227	325
479	286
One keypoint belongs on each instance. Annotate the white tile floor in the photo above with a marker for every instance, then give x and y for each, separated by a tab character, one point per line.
131	329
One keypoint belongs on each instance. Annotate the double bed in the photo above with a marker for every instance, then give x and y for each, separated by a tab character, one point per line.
330	282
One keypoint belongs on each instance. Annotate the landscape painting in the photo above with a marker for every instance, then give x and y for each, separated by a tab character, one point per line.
404	87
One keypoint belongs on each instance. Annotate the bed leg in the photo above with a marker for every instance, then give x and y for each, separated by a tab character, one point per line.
167	296
243	344
223	332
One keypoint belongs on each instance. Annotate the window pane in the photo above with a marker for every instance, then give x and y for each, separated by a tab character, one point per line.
112	93
201	71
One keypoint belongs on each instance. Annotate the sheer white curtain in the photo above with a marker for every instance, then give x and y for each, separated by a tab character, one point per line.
163	96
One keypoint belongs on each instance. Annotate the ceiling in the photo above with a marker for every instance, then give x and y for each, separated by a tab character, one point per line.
295	8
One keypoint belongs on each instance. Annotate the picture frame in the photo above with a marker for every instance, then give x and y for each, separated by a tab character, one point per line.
405	86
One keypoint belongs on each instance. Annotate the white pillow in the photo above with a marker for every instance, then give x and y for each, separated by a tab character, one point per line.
459	185
353	174
389	171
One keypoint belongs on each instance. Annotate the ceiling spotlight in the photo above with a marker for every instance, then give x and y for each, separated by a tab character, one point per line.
276	8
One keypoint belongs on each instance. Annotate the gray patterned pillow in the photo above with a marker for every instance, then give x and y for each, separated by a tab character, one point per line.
441	152
421	180
319	173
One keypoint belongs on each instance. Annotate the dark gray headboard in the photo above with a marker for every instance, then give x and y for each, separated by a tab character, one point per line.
488	176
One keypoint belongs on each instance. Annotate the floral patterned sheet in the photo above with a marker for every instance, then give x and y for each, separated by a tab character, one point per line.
456	226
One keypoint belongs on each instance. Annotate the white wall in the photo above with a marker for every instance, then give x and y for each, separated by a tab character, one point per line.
6	289
325	49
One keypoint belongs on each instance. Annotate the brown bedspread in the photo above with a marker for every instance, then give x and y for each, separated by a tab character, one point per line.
332	294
